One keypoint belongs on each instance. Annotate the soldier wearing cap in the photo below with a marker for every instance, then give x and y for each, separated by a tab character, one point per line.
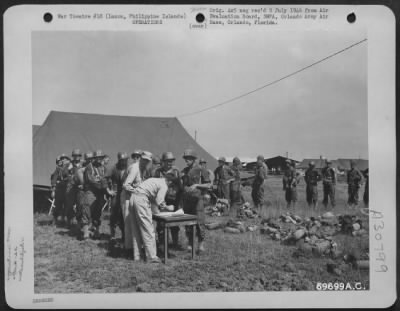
312	177
134	176
354	181
223	176
96	186
195	181
329	183
58	188
72	188
173	196
116	179
82	214
235	186
257	192
290	180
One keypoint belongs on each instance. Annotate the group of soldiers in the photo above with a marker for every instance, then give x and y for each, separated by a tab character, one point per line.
355	179
139	184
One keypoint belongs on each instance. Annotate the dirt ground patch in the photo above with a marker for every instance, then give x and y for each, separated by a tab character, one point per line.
249	261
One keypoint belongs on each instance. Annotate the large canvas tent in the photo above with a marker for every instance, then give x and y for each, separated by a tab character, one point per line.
63	131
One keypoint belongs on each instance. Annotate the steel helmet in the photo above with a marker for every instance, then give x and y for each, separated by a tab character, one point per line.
137	152
312	163
167	156
222	159
190	153
58	159
260	157
122	155
202	160
64	156
236	160
76	153
156	160
98	154
88	155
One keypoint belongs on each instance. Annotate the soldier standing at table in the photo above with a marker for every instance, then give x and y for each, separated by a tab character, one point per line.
195	181
96	186
312	177
117	174
290	181
257	192
173	196
354	180
71	188
82	210
58	188
223	176
329	183
235	189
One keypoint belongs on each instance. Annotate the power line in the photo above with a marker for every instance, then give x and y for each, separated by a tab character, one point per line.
271	83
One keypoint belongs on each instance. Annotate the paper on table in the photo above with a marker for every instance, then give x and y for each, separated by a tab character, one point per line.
179	212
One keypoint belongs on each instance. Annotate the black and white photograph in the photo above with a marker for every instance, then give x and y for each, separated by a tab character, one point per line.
232	159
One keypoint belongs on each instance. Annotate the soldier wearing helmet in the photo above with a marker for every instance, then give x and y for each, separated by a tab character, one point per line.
116	179
173	196
312	177
329	183
203	164
96	186
235	186
58	188
195	181
290	180
223	176
136	155
257	192
72	188
354	181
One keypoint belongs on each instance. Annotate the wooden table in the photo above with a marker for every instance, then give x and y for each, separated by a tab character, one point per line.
172	221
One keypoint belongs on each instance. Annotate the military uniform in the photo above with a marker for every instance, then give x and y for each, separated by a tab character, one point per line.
117	180
95	184
366	189
354	181
312	177
193	199
222	175
173	197
329	184
235	188
290	181
71	191
59	186
257	192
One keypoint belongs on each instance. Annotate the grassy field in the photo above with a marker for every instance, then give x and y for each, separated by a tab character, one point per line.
250	261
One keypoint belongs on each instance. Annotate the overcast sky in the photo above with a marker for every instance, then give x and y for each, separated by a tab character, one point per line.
321	111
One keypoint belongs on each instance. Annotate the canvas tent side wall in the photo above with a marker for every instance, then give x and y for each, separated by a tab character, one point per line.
63	131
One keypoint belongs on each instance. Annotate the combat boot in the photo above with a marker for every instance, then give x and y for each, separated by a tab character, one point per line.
85	231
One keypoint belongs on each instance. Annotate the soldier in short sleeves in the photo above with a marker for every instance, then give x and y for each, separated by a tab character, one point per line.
195	181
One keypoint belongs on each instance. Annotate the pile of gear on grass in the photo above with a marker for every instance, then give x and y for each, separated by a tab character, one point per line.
217	207
313	236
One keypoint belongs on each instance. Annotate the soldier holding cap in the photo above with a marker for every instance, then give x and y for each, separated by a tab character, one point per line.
58	187
257	192
223	176
117	173
290	180
71	188
195	181
134	176
329	183
312	177
173	196
354	180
